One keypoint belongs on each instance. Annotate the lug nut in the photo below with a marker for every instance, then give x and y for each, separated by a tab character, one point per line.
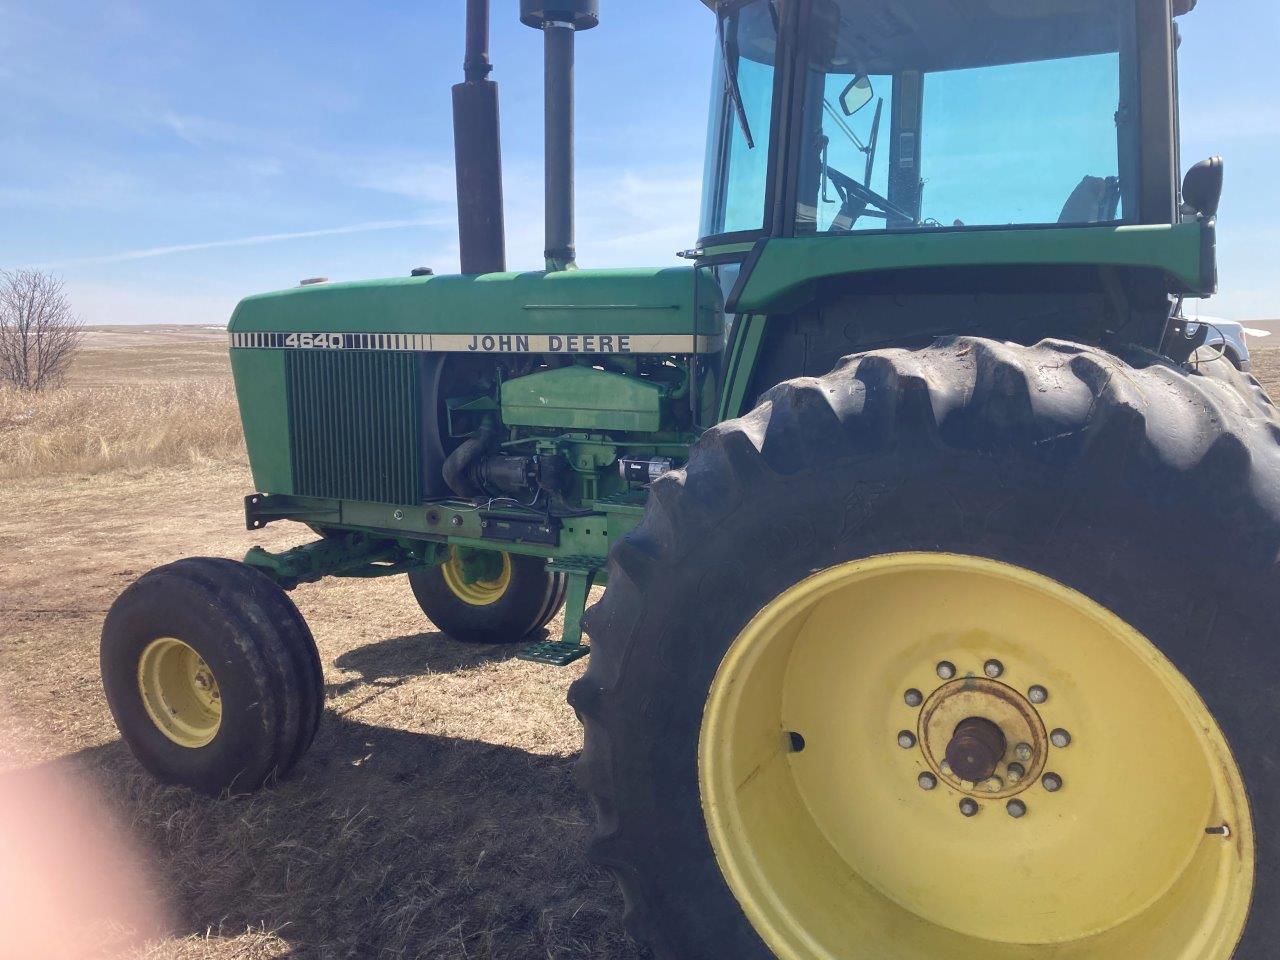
945	767
913	697
906	739
1023	752
993	668
1060	738
1051	782
927	781
1017	809
994	785
946	669
969	807
1016	772
1037	694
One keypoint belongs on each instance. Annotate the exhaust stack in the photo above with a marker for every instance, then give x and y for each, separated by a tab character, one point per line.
559	21
482	237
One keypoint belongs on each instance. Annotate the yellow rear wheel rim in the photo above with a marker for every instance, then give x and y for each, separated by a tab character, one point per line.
479	593
180	692
1114	825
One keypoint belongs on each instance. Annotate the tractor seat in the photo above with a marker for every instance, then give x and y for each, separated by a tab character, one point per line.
1094	200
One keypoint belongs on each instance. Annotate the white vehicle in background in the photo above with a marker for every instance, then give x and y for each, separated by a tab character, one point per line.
1228	337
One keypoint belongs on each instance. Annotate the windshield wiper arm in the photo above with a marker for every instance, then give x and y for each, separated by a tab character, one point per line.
729	50
840	122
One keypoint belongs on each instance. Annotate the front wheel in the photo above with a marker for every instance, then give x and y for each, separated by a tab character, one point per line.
487	596
212	675
951	653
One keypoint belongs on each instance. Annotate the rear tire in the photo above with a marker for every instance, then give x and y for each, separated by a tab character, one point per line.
1148	494
212	675
507	609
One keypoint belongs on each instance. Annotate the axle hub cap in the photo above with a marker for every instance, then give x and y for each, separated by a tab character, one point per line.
976	749
974	728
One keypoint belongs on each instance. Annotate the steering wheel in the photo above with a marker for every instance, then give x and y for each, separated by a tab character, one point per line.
856	198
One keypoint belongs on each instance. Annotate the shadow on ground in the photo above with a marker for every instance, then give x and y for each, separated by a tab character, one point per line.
384	843
389	663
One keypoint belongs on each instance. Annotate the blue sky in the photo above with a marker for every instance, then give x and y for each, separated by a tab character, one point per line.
168	159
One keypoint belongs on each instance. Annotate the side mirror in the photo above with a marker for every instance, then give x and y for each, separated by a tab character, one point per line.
856	95
1202	188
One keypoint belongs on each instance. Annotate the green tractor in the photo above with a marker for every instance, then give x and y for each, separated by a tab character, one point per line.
941	559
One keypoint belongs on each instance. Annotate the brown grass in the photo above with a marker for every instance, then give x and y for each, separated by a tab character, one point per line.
136	399
77	429
436	815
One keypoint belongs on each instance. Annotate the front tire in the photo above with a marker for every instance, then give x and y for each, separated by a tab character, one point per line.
517	596
212	675
947	529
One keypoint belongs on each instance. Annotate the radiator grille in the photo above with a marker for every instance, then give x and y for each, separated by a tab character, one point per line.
355	425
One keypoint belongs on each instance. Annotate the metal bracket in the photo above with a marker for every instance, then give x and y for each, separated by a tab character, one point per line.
261	509
355	555
581	573
508	529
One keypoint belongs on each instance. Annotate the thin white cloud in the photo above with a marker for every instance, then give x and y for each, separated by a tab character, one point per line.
200	131
424	181
150	252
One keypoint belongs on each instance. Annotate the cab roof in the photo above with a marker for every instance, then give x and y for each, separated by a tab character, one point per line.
1179	6
890	36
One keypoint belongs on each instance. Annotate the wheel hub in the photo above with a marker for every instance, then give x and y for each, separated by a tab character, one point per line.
179	692
976	748
477	577
982	737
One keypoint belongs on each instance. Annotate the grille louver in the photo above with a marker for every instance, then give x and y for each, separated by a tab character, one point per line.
355	425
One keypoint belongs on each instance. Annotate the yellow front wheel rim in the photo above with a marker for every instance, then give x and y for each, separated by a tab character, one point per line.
478	593
1113	823
180	692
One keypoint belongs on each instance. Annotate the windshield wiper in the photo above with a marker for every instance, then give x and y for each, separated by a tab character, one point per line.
729	50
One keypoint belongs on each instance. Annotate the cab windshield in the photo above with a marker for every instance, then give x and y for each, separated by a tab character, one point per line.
738	143
937	113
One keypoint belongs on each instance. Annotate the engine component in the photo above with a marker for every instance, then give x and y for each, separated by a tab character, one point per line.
644	472
583	398
506	474
459	466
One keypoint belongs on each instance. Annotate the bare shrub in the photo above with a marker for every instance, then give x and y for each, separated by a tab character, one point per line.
39	332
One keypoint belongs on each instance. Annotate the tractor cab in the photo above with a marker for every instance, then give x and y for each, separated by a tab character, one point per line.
882	173
833	117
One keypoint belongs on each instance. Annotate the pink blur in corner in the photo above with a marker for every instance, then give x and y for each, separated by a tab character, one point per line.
71	886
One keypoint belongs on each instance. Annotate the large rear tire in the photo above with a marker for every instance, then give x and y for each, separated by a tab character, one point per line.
1059	564
212	675
517	597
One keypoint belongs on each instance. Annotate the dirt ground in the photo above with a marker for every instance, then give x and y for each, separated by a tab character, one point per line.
436	816
1266	367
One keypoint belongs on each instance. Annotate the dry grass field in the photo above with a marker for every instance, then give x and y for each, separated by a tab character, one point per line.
436	815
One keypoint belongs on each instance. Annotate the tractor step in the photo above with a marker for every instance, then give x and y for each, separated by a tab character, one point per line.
554	653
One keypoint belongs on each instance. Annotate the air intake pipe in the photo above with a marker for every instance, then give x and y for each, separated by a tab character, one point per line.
478	153
559	21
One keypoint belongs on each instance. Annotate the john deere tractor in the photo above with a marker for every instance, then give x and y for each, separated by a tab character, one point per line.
942	617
